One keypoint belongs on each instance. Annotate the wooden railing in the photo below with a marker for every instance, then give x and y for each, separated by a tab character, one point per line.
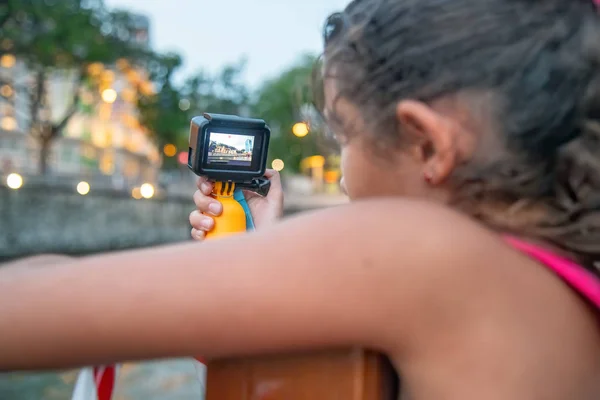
352	374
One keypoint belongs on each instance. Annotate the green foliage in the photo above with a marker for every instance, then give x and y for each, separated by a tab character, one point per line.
279	102
67	33
223	93
160	112
167	113
53	35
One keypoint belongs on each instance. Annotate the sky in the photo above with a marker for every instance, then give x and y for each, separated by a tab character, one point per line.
270	34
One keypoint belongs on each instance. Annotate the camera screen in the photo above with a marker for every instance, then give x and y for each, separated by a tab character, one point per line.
230	150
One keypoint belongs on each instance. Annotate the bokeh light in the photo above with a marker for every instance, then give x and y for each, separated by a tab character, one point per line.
300	129
109	95
136	193
182	158
184	104
6	91
170	150
8	61
83	188
147	190
95	69
14	181
278	164
8	123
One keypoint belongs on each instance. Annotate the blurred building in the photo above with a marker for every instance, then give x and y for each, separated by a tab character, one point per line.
103	137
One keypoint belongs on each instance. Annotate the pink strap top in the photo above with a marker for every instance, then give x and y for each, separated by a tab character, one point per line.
576	276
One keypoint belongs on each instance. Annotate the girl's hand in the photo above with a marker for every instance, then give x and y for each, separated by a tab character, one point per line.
264	210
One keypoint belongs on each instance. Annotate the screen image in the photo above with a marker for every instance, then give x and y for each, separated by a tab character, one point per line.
230	150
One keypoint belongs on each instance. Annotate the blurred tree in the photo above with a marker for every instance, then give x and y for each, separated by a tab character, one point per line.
283	102
65	36
7	8
223	93
165	113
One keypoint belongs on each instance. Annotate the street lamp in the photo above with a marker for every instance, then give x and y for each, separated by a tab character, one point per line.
300	129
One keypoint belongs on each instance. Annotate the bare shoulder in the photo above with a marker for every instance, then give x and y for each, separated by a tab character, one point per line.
412	233
417	257
460	302
454	271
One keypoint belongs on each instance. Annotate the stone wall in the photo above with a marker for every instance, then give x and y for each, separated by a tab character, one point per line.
37	220
52	218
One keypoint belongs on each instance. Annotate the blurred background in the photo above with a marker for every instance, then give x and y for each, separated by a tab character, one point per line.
95	102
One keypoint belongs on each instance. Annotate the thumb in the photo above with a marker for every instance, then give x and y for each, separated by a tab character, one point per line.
275	179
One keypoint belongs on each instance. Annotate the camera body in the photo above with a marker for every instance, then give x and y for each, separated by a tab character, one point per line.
229	148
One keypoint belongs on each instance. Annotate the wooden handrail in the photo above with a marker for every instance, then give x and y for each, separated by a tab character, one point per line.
349	374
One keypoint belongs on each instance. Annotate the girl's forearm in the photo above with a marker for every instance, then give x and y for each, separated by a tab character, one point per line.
36	261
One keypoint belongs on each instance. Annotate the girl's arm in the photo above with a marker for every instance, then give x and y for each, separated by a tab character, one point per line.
339	277
38	260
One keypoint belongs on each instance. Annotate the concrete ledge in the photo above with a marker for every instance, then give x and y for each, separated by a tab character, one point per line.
38	221
54	219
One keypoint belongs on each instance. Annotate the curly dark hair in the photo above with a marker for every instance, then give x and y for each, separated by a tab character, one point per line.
539	60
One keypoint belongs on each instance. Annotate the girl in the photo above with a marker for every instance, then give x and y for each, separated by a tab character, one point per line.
469	133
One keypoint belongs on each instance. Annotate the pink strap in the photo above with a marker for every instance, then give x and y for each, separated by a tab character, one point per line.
580	279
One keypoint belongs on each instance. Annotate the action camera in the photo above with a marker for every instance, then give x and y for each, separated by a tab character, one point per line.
229	148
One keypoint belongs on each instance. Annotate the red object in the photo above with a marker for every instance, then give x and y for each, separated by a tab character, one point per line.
104	377
182	157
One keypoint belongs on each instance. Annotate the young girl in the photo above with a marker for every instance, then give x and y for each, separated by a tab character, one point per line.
469	133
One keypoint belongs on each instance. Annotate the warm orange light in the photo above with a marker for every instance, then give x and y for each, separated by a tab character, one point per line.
133	76
170	150
8	123
95	69
122	64
147	88
331	176
108	76
136	193
6	91
104	111
128	95
313	162
8	61
300	129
